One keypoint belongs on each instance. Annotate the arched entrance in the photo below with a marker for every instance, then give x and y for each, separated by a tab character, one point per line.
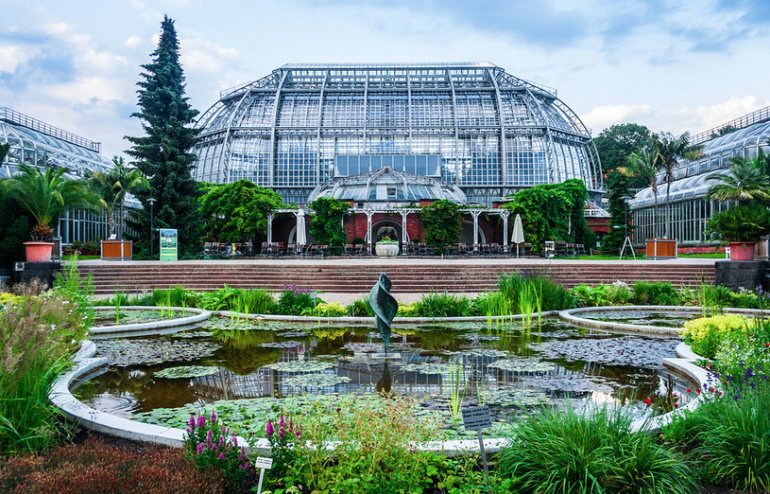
386	228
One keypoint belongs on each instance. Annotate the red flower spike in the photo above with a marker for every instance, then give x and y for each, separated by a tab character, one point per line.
676	405
648	401
689	390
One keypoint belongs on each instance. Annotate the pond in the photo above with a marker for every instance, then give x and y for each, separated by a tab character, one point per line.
643	317
254	369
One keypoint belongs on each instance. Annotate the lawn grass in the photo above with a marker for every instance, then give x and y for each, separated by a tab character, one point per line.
73	257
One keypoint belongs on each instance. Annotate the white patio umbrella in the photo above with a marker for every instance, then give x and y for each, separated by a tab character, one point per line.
301	235
518	233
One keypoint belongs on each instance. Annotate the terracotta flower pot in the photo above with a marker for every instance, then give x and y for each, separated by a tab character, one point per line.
742	251
38	251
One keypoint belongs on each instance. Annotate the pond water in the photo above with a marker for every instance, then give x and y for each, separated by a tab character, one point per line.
259	366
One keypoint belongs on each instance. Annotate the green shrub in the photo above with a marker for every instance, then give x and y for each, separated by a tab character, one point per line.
743	356
360	308
552	296
254	301
325	309
565	452
706	334
655	293
444	305
493	304
297	301
407	310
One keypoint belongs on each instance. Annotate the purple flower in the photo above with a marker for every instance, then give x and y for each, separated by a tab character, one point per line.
209	437
235	440
213	416
201	421
199	449
191	422
221	456
269	430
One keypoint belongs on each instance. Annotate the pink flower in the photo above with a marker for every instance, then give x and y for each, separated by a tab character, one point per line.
676	405
269	430
191	422
235	440
221	456
201	421
199	449
213	416
209	437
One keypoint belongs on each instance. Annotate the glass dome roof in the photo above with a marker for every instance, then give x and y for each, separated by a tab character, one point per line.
472	125
388	185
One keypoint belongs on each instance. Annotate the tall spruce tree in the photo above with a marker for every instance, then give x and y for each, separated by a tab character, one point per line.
163	153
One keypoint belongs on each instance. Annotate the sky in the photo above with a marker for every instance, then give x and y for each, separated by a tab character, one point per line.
673	66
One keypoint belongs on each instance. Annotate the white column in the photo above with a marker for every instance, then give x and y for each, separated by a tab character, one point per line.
270	228
404	234
369	239
505	215
475	215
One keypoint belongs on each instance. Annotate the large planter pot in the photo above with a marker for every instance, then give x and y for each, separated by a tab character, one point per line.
117	250
386	250
742	251
661	248
38	251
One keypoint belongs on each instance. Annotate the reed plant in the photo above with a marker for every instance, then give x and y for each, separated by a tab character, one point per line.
118	301
444	305
456	389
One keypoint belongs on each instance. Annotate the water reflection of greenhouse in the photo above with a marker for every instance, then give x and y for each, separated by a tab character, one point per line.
411	373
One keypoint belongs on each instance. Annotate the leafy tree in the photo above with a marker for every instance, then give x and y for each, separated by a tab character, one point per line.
644	164
670	150
4	150
326	226
553	212
442	221
14	229
746	182
163	153
618	189
45	195
112	187
616	143
237	211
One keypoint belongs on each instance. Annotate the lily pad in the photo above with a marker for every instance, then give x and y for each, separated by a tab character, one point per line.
186	372
300	366
526	365
427	368
626	351
186	335
315	380
151	351
284	345
294	334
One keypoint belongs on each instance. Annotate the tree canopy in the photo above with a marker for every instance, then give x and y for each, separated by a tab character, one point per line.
237	211
617	142
326	225
163	153
112	187
553	212
443	224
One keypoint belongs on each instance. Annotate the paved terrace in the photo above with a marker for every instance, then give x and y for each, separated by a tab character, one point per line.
345	279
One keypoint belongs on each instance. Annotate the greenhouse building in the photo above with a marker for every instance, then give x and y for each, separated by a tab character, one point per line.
469	130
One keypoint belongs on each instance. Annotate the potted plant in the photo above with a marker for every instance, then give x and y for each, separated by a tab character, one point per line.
45	195
747	184
386	247
741	226
112	187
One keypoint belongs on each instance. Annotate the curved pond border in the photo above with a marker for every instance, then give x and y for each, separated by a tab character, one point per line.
573	316
106	423
149	328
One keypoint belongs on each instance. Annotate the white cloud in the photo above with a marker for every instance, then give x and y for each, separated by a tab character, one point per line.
132	41
602	117
198	55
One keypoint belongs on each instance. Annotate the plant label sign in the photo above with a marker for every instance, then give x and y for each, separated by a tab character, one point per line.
477	418
168	244
262	464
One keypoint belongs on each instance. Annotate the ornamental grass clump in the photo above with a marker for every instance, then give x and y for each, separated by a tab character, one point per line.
210	446
37	336
444	305
565	452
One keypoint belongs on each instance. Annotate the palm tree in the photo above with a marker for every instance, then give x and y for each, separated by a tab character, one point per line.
643	163
746	182
45	195
670	150
112	187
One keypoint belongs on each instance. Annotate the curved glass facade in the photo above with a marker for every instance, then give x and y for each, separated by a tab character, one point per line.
35	142
690	210
471	125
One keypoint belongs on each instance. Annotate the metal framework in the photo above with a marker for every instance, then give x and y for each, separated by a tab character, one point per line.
494	133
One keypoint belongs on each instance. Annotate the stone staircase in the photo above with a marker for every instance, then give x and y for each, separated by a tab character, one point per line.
411	276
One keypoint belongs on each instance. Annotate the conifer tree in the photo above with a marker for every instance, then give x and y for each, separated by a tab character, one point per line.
163	153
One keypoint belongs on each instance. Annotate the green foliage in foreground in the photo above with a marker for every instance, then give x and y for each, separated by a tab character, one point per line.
559	452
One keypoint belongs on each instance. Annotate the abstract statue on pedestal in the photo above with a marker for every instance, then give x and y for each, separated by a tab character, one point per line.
384	306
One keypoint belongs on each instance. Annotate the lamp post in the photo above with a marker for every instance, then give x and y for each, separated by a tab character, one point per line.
151	201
